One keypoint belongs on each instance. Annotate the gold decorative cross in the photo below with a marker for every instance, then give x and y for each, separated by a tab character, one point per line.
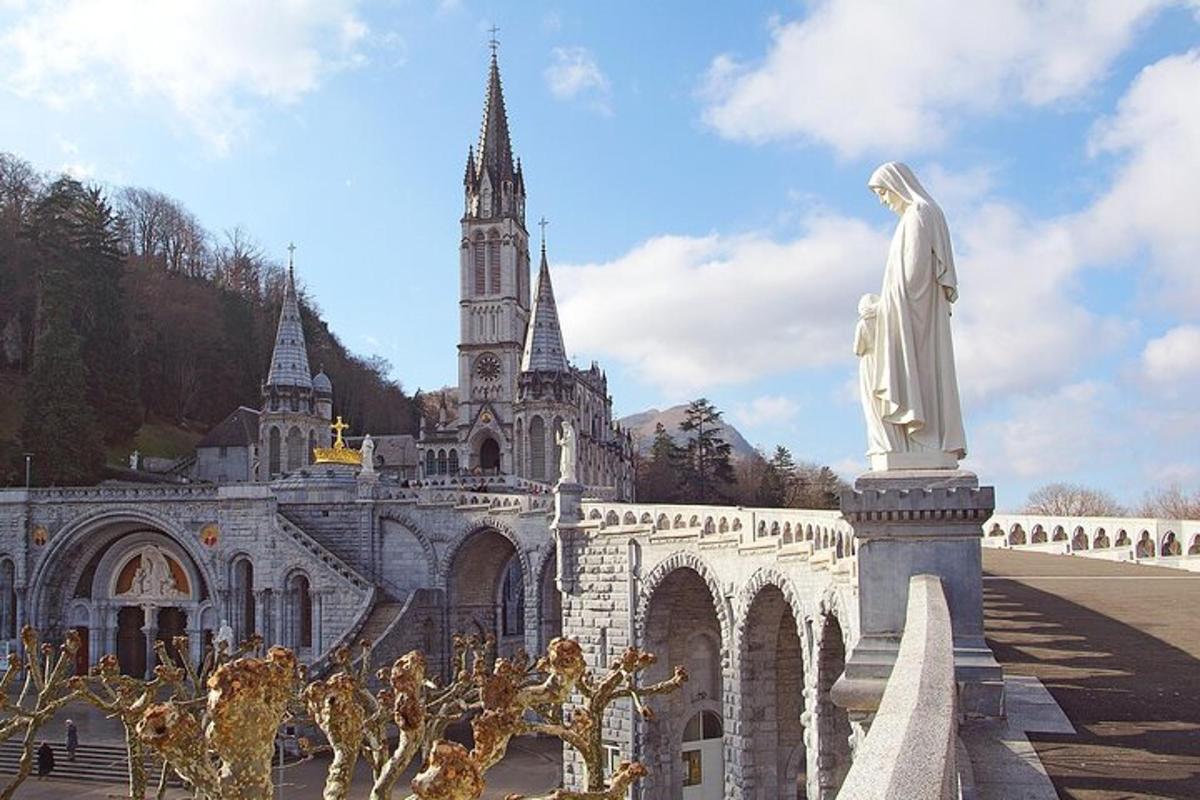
337	428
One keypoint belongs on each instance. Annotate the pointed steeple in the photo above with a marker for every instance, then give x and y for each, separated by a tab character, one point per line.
289	361
495	148
544	351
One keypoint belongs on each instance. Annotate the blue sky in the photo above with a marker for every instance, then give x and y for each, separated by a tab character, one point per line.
703	168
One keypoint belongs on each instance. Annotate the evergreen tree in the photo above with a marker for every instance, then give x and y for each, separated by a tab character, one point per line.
707	465
658	475
59	427
779	474
107	349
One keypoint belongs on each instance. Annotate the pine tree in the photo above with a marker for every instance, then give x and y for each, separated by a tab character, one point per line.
107	350
707	465
658	475
778	476
59	427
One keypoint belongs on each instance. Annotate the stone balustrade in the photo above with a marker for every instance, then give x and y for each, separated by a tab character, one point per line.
1161	542
909	751
809	529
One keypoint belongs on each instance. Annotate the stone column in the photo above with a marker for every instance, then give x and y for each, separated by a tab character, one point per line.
262	615
912	522
318	644
150	628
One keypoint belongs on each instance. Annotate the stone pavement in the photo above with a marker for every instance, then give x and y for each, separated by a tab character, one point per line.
1118	646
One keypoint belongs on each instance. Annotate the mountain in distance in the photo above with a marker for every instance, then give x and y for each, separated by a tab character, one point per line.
642	425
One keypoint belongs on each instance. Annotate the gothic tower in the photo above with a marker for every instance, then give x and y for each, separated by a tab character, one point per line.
493	290
296	405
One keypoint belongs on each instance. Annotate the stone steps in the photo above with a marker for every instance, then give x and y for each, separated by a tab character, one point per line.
379	620
95	763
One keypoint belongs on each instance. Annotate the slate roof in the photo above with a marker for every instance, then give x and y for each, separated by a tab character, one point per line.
544	351
239	429
289	361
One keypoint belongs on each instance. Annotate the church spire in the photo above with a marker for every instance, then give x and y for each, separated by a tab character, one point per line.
495	186
544	351
289	361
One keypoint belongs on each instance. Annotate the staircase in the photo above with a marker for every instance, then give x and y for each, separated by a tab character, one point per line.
381	618
95	763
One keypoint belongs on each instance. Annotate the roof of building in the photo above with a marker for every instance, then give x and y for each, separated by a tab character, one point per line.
494	153
239	429
289	361
544	351
391	450
322	384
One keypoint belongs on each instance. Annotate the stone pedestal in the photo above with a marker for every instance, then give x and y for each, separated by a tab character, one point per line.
913	522
568	503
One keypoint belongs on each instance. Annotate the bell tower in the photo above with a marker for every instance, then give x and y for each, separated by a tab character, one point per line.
493	288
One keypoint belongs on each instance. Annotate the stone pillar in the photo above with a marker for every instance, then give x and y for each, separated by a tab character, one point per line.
568	504
262	611
912	522
150	628
318	644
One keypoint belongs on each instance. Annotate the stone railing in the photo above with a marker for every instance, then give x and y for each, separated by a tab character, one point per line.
112	494
910	750
498	502
806	529
1163	542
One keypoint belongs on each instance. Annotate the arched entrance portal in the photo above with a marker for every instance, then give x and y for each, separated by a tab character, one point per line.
832	722
123	586
772	674
486	590
682	628
489	456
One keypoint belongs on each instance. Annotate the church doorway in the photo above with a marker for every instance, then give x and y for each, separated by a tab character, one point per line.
82	654
131	641
489	456
172	622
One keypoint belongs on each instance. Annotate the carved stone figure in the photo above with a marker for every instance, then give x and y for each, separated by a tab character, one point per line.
566	441
152	578
913	386
878	434
367	449
224	637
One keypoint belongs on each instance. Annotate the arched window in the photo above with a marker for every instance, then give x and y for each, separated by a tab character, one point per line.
537	449
477	251
430	463
512	599
302	621
453	462
295	450
274	452
494	264
243	598
8	600
442	464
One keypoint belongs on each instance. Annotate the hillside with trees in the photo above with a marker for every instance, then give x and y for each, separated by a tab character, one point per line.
697	464
125	324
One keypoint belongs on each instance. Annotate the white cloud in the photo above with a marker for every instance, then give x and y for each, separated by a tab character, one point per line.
209	61
574	73
766	410
865	77
1174	357
693	312
1151	208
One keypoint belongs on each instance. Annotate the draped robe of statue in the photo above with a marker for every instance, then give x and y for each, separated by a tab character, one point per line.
915	385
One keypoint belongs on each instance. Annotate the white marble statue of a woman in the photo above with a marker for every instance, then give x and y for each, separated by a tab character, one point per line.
913	386
566	441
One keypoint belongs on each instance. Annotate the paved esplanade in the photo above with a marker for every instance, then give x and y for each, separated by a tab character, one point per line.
1118	646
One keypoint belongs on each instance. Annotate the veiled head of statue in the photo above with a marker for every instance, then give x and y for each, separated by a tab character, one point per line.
895	178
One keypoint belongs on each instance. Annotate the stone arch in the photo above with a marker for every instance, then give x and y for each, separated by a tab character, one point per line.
1016	534
1101	541
1038	535
81	538
1059	534
678	523
611	518
8	598
1194	550
295	449
682	618
723	525
1145	546
663	523
646	519
474	572
831	723
1123	538
1170	545
298	621
550	614
1080	540
629	519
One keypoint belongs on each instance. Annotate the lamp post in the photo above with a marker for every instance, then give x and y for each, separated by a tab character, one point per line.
28	468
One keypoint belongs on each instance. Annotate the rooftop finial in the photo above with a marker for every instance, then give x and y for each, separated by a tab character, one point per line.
291	257
493	42
542	223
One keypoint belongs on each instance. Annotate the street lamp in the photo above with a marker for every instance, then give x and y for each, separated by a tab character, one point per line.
28	468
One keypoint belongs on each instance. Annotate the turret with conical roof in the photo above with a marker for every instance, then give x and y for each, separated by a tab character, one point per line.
494	184
289	361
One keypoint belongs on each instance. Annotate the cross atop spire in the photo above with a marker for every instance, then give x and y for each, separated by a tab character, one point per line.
493	42
291	248
542	223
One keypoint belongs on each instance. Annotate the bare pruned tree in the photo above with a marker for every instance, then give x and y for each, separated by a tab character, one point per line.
1072	500
239	263
1171	502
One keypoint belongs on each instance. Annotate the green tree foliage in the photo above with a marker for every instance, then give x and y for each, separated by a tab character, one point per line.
658	475
707	467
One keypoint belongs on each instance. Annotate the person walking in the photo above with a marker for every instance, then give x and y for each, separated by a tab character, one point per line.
45	760
72	740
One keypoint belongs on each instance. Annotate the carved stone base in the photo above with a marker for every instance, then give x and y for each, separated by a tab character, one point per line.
913	522
568	503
